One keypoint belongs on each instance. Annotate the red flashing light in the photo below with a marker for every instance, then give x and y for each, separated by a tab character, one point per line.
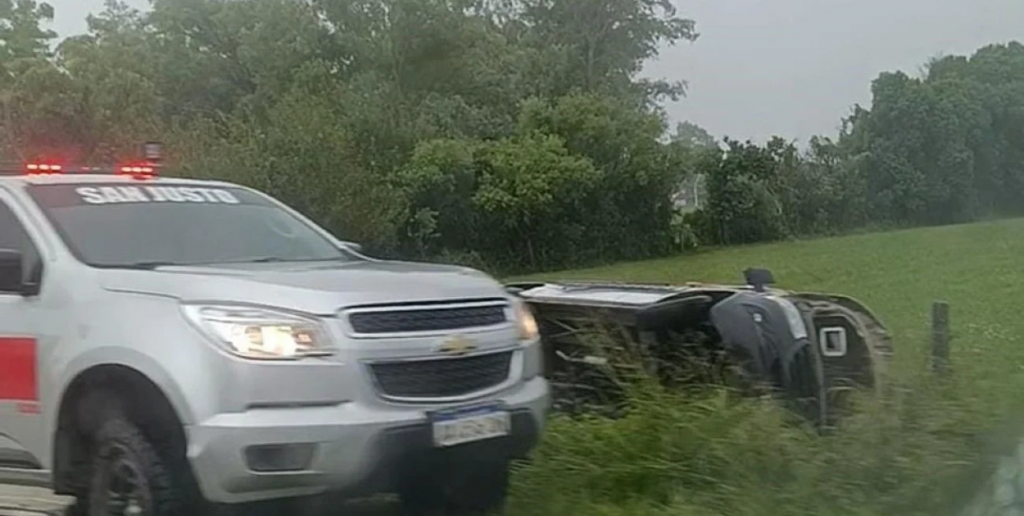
43	168
138	171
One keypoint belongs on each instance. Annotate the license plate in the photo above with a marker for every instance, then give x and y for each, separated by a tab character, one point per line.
464	425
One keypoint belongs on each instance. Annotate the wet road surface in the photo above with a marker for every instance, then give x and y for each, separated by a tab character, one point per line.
25	501
34	501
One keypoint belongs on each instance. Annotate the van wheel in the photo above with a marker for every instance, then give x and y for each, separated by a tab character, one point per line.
471	489
128	476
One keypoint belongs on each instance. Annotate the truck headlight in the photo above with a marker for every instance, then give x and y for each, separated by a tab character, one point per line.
526	324
529	337
260	333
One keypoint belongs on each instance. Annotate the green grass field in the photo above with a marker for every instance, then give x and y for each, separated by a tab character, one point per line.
977	268
917	451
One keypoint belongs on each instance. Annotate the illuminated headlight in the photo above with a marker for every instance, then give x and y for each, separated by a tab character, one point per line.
529	338
525	323
260	333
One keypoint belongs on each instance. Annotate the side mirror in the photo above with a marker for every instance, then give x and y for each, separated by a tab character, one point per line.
12	274
353	246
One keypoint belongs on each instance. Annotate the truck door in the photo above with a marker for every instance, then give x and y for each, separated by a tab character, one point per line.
27	332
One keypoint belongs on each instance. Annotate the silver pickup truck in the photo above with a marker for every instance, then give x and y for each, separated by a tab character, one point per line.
171	345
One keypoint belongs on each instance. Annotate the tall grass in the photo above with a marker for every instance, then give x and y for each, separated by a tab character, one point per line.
917	449
922	445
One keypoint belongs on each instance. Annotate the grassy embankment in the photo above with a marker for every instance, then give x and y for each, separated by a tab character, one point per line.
919	450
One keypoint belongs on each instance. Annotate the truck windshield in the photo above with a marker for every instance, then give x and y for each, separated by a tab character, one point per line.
119	225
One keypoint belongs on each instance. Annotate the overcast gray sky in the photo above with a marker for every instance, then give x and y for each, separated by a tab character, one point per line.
786	67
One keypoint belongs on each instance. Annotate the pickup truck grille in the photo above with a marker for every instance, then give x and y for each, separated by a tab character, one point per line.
427	318
442	378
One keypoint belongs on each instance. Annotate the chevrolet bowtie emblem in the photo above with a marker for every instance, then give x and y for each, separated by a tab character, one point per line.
456	345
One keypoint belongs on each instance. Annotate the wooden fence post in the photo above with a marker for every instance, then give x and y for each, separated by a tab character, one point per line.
940	336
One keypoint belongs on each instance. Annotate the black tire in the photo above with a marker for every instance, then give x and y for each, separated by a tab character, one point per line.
472	488
125	462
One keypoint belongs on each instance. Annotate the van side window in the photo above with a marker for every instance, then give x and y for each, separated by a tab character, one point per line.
14	236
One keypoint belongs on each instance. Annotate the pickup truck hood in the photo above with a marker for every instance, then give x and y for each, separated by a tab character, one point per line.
317	288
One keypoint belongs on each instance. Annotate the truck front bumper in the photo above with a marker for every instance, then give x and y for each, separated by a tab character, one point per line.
351	449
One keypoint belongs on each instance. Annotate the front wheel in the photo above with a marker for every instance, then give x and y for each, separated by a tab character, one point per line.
472	488
128	477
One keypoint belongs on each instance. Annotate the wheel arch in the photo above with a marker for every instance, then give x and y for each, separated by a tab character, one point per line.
133	383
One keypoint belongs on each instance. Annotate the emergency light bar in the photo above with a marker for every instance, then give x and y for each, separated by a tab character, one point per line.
138	170
42	168
148	166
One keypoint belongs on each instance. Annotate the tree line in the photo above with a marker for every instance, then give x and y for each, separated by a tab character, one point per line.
944	147
510	134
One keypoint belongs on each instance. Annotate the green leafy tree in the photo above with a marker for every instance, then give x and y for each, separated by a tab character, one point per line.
601	45
691	135
21	30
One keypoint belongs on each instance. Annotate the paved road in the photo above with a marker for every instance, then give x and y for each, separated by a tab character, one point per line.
25	501
33	501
